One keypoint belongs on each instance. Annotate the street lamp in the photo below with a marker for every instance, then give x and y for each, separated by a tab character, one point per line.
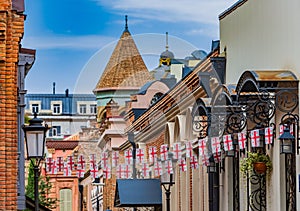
286	141
212	167
166	180
35	134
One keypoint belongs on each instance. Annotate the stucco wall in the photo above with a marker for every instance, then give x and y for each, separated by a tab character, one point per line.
261	34
264	35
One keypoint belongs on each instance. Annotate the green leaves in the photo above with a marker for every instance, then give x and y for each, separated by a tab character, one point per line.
253	157
44	189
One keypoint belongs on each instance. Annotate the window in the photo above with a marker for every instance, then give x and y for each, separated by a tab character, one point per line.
35	108
65	200
56	108
93	109
156	97
54	131
82	109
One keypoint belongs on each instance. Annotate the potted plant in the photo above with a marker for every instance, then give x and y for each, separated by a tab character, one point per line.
257	161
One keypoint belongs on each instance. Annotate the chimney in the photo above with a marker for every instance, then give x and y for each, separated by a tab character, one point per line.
67	92
54	88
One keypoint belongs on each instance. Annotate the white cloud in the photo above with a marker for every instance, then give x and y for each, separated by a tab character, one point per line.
66	42
197	11
209	32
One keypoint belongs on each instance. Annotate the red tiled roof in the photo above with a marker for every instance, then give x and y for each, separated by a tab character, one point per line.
61	144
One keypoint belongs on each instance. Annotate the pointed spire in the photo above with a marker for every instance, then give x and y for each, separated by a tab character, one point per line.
125	67
126	22
167	41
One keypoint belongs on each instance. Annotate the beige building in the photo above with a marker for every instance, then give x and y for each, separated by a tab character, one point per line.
265	35
260	35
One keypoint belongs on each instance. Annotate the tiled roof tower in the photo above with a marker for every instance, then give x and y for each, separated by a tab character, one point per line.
126	68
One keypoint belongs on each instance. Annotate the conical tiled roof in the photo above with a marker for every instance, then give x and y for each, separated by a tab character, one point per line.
126	68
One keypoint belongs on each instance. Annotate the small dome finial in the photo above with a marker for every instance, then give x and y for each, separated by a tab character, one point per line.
167	41
126	22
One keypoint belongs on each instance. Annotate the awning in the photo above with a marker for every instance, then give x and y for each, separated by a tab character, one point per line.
138	193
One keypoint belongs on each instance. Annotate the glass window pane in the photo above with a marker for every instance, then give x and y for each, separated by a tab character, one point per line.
35	143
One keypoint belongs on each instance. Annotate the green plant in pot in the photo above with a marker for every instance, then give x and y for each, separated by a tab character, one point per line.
257	161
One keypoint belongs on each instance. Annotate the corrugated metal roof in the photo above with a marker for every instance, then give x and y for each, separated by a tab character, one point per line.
69	103
138	193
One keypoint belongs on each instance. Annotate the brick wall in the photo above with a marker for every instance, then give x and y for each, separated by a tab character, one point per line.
11	31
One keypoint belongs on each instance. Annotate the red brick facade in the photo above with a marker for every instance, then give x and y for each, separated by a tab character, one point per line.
11	32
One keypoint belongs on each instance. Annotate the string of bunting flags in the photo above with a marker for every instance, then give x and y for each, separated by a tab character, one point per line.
162	163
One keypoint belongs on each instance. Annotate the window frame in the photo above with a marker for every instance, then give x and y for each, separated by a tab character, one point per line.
65	204
35	102
93	108
54	105
82	109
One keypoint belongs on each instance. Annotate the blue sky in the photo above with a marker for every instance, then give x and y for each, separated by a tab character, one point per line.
74	38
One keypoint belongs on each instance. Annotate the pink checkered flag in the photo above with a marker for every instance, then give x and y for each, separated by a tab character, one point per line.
49	163
269	135
152	154
127	172
215	144
182	164
194	162
176	150
188	149
119	171
115	158
67	170
80	172
80	162
71	163
53	168
242	140
140	156
92	162
157	168
128	157
94	172
202	145
255	138
60	164
164	152
227	141
145	170
107	172
169	166
104	159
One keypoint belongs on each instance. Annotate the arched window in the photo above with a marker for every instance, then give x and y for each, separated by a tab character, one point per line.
65	200
156	97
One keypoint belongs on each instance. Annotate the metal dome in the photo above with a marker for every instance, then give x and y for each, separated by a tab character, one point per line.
167	54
